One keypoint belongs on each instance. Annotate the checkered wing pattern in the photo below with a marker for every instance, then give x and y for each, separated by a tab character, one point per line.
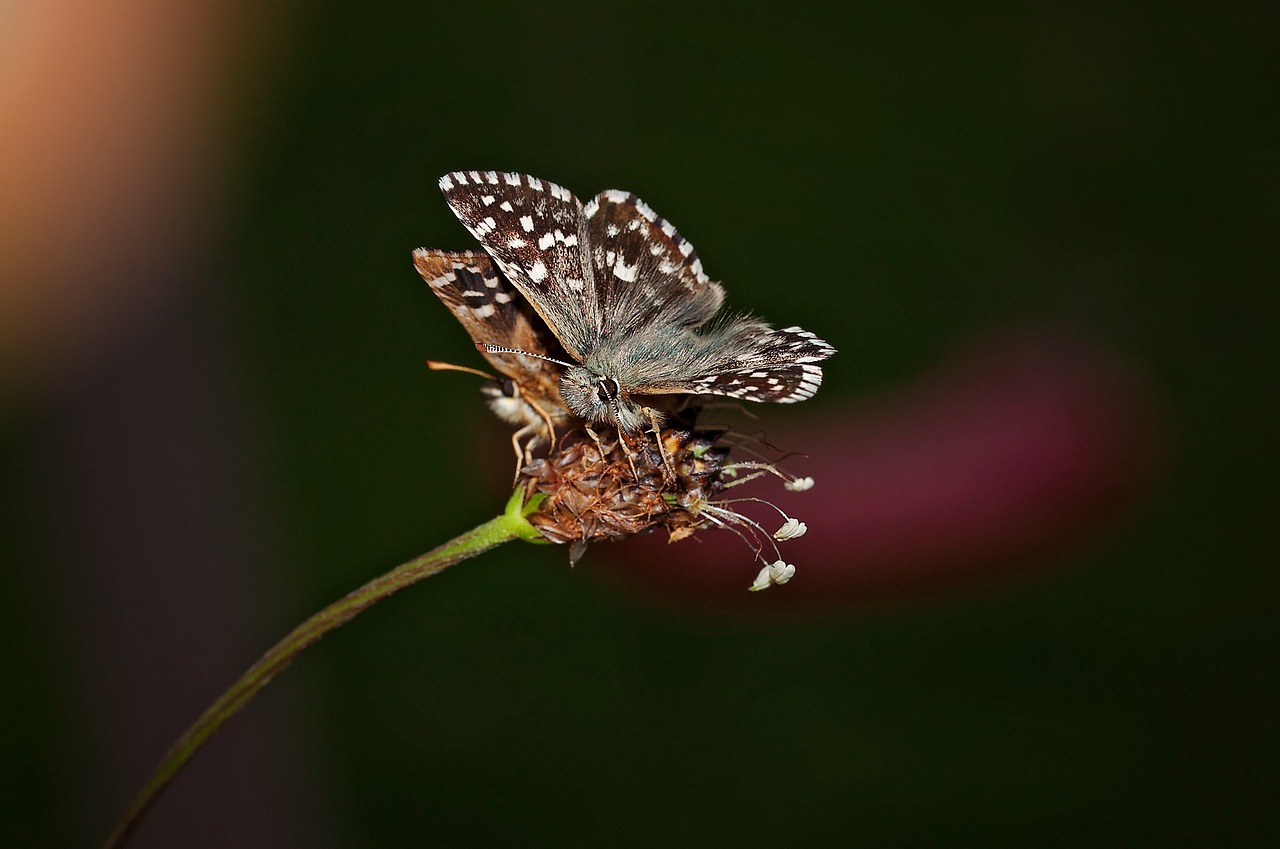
647	275
492	311
624	293
535	232
754	363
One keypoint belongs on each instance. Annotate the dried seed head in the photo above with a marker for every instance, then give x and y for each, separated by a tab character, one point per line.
598	486
592	493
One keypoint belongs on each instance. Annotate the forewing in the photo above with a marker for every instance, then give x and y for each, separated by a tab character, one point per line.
493	311
535	232
646	273
750	361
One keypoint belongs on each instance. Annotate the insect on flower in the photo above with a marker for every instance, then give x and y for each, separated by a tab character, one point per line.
601	315
611	294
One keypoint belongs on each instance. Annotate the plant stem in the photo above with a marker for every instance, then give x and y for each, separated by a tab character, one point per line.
510	525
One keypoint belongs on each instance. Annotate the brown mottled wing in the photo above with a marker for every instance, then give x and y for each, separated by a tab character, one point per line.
534	230
646	274
493	311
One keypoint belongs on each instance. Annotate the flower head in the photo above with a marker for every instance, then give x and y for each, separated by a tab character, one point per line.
598	486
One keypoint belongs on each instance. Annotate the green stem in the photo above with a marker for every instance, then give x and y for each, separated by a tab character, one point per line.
510	525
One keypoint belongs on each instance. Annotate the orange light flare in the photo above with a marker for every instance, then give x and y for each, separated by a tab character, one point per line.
115	126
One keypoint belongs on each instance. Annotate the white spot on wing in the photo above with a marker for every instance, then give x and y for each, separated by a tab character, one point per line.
624	272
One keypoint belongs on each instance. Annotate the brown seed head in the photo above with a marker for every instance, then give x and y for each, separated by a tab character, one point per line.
593	494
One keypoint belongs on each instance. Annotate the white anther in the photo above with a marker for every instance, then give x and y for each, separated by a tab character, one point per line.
798	485
774	573
791	529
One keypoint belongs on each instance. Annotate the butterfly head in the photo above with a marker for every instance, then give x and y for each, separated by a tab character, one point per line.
598	398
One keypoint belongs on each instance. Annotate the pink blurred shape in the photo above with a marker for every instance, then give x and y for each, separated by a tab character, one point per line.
1024	445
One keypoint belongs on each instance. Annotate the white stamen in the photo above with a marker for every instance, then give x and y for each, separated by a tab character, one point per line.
774	573
798	485
791	529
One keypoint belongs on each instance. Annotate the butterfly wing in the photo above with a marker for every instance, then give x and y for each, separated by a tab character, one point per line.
536	233
653	294
744	359
647	275
624	292
493	311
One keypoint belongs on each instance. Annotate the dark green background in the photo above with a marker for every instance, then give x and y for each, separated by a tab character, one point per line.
895	177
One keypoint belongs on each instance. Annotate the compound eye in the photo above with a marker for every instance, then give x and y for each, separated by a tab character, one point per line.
603	394
508	387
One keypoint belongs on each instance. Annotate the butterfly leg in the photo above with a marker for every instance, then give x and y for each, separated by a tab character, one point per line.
521	441
668	467
631	457
622	443
546	420
524	439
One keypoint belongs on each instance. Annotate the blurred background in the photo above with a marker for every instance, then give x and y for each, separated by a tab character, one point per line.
1036	602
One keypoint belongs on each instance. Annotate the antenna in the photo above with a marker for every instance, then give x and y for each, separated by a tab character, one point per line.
499	349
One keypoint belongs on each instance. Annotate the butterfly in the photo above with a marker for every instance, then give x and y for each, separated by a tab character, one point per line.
627	299
492	311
